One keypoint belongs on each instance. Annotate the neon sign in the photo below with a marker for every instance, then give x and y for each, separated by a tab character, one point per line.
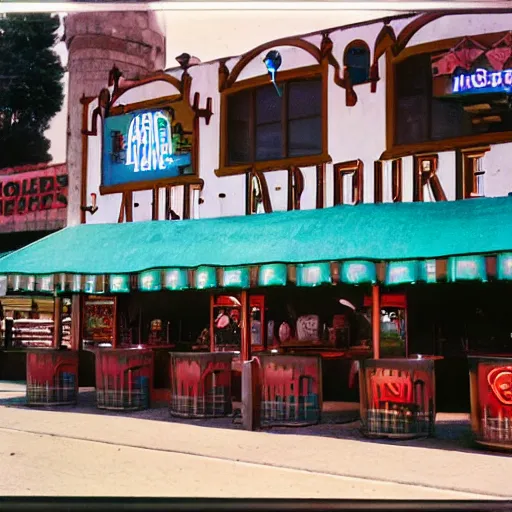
483	81
149	144
144	146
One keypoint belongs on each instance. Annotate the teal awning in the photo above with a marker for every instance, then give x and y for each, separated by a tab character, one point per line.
375	232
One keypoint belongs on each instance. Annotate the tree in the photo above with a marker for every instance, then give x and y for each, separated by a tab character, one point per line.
31	89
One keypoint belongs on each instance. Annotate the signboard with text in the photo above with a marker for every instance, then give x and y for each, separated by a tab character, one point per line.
147	145
34	200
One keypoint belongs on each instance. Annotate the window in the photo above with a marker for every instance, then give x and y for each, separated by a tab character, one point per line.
263	126
357	61
422	117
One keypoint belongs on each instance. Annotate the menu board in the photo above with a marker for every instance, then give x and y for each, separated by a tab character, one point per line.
99	320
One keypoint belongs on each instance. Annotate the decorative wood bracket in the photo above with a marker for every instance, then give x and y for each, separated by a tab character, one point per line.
344	82
207	112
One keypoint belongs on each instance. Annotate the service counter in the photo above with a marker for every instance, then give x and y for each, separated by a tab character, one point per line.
490	379
124	378
52	376
398	397
201	384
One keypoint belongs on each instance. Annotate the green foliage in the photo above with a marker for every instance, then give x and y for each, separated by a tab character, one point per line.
31	89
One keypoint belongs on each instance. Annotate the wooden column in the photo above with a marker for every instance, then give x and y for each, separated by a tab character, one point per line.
76	322
212	323
57	322
245	350
376	321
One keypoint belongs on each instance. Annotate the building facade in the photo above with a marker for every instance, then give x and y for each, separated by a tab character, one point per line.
405	109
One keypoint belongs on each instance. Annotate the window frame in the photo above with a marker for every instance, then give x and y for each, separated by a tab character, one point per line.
297	74
394	150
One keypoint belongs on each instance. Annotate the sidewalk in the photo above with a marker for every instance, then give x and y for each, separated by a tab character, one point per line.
333	459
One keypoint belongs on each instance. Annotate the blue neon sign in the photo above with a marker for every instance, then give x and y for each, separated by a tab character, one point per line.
144	146
482	81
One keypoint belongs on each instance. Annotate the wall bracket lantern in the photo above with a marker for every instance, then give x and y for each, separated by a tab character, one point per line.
92	208
273	62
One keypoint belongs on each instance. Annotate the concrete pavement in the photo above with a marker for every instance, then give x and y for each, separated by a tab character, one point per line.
75	451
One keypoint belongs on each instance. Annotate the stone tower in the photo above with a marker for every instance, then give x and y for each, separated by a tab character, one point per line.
96	41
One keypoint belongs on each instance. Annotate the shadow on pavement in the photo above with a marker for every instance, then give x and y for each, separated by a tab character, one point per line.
453	431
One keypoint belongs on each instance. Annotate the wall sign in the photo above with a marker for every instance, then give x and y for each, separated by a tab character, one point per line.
358	272
37	197
236	277
467	268
273	275
483	81
120	283
146	145
205	277
150	281
176	279
504	266
313	274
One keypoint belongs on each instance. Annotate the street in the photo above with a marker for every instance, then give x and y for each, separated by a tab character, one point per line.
81	451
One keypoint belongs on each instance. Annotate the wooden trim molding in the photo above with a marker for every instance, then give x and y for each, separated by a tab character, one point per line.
425	173
295	187
468	172
378	188
295	42
354	169
188	179
396	181
320	186
274	165
126	211
85	102
251	206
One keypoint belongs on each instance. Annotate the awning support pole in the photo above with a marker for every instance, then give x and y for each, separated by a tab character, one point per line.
376	321
212	323
57	322
245	349
76	322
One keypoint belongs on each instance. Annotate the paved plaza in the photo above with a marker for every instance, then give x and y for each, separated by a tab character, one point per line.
83	451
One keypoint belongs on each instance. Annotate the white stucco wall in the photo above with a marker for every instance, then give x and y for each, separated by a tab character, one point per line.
356	132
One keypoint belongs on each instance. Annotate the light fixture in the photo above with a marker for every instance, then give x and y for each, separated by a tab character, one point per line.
92	208
273	62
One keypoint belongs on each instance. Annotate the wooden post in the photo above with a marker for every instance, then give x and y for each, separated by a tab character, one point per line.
376	321
212	323
245	350
76	322
57	322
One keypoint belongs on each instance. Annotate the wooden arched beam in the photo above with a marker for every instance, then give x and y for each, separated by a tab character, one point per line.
386	40
160	77
252	54
410	30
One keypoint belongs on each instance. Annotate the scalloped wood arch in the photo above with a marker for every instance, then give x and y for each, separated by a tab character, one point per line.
296	42
387	40
161	77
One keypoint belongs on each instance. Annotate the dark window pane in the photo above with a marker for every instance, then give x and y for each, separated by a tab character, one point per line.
305	136
412	119
304	98
239	130
357	60
449	120
268	105
269	144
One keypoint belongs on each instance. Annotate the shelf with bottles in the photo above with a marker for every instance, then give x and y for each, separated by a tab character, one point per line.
226	313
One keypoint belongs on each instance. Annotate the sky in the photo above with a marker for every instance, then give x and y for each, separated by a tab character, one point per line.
210	35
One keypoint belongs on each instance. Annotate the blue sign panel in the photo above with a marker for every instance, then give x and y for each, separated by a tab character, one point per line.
144	145
482	81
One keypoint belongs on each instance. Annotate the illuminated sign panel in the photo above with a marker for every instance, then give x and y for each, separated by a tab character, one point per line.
236	277
467	268
145	146
483	81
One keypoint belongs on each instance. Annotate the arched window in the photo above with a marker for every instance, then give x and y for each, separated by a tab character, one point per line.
357	61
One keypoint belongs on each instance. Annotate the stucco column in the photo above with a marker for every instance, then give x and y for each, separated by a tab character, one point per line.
132	41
